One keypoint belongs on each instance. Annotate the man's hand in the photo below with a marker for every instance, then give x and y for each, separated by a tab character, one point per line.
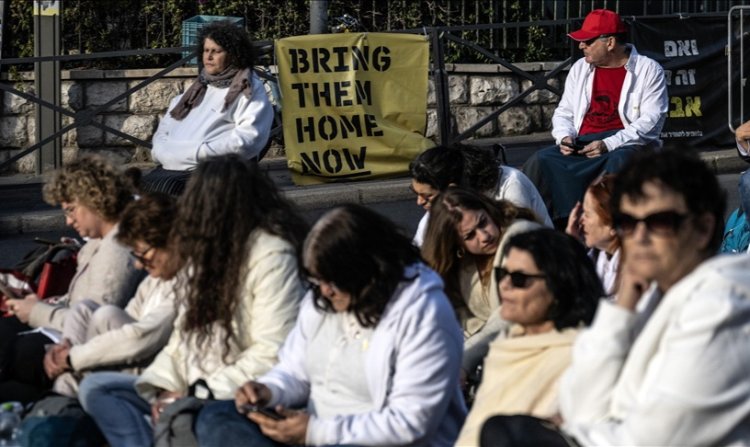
594	149
291	430
742	134
22	308
565	150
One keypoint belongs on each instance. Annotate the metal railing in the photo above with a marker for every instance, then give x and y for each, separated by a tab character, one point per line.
736	36
87	117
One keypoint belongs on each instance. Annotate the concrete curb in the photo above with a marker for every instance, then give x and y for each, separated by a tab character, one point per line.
326	196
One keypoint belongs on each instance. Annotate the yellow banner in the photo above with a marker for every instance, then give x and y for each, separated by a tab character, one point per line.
353	104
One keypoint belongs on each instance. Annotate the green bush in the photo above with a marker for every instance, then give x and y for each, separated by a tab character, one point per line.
90	26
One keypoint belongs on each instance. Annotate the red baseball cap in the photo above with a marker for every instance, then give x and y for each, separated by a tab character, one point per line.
598	23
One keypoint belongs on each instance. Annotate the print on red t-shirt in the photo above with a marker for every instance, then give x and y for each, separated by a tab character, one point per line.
605	97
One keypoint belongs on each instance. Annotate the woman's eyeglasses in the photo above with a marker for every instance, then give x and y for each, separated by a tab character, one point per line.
519	280
664	223
141	257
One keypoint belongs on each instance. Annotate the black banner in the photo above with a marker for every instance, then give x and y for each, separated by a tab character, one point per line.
692	52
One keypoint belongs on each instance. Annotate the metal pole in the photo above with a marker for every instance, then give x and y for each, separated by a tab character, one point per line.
440	78
318	16
47	81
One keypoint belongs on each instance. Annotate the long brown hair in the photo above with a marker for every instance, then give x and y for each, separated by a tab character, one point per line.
601	191
442	242
225	200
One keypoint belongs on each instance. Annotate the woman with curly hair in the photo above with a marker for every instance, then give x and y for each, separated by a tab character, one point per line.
92	194
240	297
462	242
373	358
225	110
550	290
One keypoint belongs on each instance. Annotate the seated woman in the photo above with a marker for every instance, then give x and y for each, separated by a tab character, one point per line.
461	244
240	300
93	195
139	331
374	358
592	223
225	111
470	167
549	289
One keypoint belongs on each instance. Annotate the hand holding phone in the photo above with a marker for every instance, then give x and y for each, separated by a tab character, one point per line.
575	147
265	411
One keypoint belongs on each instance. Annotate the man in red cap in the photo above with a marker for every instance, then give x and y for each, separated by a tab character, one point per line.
615	103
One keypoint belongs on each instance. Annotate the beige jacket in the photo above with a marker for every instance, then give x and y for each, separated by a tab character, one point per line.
272	292
153	311
521	375
105	274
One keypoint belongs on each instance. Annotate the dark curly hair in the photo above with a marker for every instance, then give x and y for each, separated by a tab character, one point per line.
225	200
148	219
233	39
364	254
93	182
460	165
681	172
442	240
570	274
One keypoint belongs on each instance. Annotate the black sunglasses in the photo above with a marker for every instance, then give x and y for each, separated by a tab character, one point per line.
664	223
591	41
519	280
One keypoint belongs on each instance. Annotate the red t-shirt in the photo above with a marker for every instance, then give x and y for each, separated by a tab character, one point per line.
605	97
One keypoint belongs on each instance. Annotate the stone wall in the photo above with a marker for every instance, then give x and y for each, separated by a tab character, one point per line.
475	91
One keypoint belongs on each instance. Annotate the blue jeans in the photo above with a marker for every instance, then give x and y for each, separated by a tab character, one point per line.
121	414
219	423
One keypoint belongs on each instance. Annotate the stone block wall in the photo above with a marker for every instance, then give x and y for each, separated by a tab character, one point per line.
475	91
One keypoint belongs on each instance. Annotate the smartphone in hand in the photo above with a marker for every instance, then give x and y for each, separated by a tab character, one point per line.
265	411
575	147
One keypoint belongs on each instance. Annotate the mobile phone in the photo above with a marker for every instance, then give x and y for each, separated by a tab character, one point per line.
575	146
265	411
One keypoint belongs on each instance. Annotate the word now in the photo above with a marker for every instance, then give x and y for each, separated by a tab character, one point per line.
674	48
329	127
337	93
691	107
332	160
320	60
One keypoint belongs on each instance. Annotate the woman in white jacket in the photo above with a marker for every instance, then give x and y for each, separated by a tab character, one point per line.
373	360
225	111
240	303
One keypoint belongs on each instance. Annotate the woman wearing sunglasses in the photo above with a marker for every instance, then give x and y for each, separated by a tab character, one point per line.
549	289
465	231
373	359
592	223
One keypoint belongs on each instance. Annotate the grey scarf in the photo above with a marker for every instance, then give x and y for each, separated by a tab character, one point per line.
234	78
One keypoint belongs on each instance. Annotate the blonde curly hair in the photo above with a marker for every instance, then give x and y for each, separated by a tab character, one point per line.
94	183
